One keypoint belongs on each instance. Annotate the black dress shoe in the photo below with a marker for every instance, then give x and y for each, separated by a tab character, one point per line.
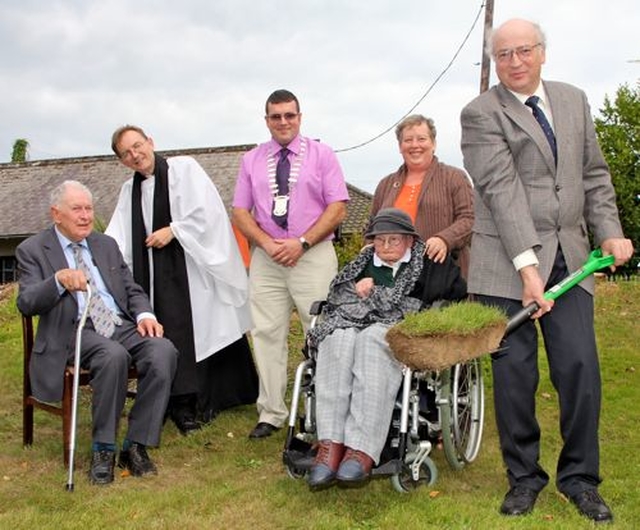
137	461
102	464
263	430
186	423
519	500
591	505
182	411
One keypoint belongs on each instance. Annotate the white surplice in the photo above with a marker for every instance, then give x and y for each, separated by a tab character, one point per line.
218	283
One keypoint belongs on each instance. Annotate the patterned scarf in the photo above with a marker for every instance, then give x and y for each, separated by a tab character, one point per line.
386	305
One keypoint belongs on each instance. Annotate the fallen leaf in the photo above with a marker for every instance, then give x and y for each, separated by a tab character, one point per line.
433	494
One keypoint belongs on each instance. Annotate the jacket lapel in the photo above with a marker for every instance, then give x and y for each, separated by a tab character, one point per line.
563	121
522	117
54	253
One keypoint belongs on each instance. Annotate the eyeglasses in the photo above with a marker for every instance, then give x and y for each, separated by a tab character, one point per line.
524	53
135	148
288	116
391	241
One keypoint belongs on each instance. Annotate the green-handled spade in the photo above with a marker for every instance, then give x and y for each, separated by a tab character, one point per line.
595	262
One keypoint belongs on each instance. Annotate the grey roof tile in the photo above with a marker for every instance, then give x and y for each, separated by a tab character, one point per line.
25	187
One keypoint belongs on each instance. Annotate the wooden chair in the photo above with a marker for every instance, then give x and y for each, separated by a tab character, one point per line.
64	408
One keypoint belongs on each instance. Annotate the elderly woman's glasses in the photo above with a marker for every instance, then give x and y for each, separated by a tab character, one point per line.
390	241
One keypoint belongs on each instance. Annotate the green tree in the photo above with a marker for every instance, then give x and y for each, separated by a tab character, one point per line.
618	130
20	150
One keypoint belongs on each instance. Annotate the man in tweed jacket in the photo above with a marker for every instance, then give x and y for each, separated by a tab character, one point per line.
533	212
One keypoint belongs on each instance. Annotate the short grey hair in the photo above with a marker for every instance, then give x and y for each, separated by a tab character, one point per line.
59	191
541	37
415	119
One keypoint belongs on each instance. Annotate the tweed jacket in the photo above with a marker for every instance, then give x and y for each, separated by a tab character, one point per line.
445	206
39	258
522	199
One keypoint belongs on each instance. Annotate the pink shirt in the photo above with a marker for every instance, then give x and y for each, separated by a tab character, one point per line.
319	184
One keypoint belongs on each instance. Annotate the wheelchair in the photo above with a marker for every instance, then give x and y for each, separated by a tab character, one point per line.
431	407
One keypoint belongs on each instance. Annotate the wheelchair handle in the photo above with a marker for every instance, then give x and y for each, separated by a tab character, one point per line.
595	262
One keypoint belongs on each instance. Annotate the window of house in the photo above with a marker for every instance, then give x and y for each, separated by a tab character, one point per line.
8	269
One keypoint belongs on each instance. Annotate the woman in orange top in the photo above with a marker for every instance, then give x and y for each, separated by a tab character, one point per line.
438	197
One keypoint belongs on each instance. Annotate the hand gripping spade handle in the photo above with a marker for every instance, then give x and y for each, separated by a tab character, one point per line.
595	262
76	385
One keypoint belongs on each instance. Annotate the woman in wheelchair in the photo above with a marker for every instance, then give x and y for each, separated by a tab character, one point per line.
357	376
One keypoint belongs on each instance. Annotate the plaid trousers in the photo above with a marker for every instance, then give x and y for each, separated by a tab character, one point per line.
357	381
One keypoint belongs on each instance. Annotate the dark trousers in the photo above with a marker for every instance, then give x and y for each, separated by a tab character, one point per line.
569	341
108	360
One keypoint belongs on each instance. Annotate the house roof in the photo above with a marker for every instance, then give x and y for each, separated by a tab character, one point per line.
25	187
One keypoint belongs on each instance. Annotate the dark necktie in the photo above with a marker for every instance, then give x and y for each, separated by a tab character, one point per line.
104	320
282	179
538	114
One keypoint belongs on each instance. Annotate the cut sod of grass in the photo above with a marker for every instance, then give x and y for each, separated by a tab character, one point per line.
461	318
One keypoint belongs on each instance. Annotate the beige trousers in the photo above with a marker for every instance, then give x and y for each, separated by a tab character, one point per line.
275	291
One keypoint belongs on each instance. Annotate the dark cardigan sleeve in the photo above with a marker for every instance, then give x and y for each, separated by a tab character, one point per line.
440	281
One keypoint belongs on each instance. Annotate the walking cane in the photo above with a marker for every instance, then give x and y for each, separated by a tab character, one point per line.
76	385
595	262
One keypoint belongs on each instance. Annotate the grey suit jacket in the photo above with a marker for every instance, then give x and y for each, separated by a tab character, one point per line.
39	258
522	200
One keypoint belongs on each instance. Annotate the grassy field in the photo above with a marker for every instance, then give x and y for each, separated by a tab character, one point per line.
217	478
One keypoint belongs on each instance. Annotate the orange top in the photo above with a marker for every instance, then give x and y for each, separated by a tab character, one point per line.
407	200
243	245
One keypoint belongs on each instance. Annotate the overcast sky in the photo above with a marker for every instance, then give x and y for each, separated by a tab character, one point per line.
195	73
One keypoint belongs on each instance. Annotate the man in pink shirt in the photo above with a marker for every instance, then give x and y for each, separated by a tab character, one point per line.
289	199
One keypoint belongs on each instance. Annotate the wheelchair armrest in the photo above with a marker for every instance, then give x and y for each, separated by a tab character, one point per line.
317	306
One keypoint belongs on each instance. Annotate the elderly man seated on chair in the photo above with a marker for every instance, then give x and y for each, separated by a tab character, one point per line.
54	267
357	377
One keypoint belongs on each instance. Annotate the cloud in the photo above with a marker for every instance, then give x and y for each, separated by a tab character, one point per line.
196	73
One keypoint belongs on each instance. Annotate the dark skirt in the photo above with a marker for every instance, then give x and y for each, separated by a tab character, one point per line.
227	378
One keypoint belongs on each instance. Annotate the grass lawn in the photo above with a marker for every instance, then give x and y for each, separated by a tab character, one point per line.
217	478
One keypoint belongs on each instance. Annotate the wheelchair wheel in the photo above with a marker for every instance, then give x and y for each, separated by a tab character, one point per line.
295	472
462	412
404	482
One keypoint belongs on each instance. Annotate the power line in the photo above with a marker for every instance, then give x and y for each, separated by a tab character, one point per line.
435	82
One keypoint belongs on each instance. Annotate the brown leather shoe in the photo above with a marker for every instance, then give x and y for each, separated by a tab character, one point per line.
355	467
325	465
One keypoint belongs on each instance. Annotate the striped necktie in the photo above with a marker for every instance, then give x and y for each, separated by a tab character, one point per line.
538	114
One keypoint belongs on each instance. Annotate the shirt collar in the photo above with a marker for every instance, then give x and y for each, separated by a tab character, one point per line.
406	258
65	241
293	146
542	95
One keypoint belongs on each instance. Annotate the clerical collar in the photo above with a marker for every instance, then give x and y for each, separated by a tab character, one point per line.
406	258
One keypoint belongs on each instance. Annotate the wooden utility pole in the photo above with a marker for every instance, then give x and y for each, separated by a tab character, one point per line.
486	60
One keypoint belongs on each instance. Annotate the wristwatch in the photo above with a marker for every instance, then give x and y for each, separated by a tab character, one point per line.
305	244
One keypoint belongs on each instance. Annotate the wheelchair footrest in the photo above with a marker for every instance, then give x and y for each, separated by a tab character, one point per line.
298	460
390	467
